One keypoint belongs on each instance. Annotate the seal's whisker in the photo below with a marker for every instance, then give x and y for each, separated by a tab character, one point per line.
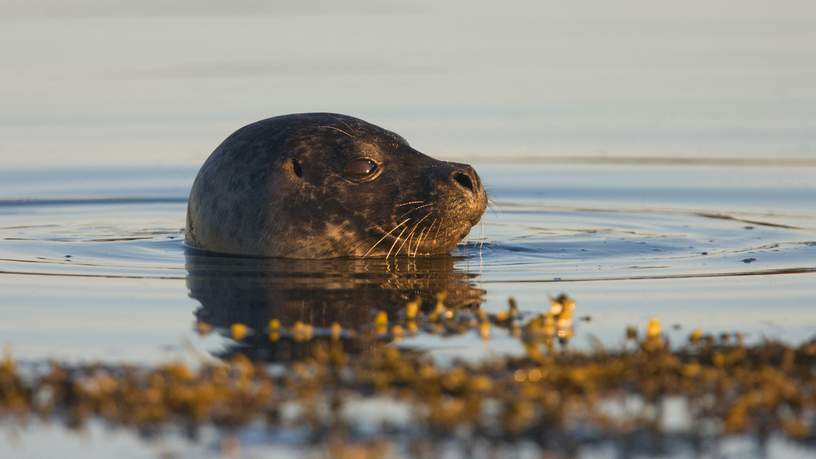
423	235
415	208
395	243
416	226
386	235
409	202
337	129
481	237
413	254
341	120
408	239
419	240
436	220
491	204
436	236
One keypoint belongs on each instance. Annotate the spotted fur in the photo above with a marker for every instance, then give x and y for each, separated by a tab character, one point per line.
277	188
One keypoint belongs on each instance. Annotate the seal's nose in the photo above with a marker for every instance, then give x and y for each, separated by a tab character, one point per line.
466	178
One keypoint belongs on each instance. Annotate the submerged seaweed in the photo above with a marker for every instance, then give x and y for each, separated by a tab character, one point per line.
554	396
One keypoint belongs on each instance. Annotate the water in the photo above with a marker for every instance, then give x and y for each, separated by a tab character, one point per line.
651	161
104	258
93	268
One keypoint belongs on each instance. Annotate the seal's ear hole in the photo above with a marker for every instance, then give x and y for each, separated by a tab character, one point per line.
295	166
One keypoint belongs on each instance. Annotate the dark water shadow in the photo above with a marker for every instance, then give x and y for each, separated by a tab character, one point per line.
320	293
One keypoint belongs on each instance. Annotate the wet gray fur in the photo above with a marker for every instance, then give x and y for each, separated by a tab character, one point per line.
280	188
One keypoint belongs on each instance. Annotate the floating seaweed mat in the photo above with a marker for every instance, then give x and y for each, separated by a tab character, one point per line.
551	394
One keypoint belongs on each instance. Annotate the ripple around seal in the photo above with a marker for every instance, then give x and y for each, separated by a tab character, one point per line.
143	238
90	248
561	222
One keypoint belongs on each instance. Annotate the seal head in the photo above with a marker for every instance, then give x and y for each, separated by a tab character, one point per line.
323	185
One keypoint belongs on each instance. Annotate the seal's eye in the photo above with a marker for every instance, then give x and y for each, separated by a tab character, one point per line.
296	168
361	169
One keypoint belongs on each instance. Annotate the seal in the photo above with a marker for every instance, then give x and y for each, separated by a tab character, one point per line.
324	185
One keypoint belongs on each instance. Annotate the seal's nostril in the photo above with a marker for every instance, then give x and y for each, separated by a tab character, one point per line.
464	181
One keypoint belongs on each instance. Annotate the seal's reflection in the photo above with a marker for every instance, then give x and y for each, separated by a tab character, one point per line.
348	292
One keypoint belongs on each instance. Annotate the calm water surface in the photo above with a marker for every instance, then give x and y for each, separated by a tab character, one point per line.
93	268
650	160
94	265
